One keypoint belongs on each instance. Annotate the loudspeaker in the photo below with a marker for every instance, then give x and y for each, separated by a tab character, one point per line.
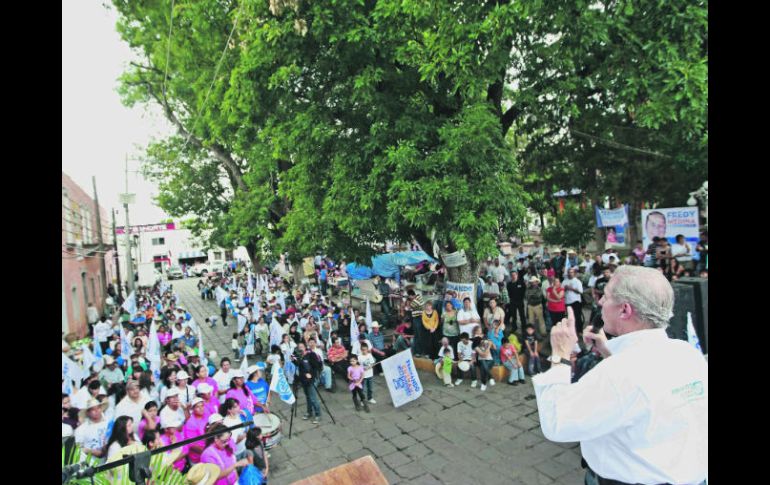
692	297
701	316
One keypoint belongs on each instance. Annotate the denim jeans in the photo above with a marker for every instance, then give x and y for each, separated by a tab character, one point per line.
368	387
517	374
533	364
313	405
326	377
486	370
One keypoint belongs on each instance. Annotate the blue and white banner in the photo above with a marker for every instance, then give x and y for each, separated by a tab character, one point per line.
153	350
130	304
611	217
668	223
125	345
401	376
70	372
281	386
368	316
221	294
355	344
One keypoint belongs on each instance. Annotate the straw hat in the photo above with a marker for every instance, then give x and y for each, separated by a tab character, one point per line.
375	324
439	372
203	474
92	403
131	449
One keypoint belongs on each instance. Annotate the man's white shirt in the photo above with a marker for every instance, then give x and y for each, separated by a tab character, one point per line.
571	297
641	415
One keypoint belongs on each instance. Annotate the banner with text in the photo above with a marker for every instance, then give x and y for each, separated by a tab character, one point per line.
460	291
670	222
401	376
454	260
611	217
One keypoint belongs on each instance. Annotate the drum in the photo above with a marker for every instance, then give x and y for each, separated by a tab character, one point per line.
464	366
270	424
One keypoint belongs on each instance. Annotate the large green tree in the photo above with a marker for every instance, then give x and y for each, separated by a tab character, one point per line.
344	123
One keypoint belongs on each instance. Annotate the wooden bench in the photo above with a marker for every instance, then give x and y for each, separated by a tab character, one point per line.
499	372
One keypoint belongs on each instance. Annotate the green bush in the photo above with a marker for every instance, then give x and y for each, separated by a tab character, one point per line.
573	227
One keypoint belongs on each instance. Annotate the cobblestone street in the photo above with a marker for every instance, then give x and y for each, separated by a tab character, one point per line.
449	435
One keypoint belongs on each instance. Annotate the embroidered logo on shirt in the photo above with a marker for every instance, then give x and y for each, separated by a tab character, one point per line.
690	392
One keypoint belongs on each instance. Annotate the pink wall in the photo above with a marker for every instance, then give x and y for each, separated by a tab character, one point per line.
74	297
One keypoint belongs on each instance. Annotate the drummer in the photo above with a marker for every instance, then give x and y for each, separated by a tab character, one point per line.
256	382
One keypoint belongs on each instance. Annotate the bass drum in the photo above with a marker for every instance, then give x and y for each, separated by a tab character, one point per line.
270	424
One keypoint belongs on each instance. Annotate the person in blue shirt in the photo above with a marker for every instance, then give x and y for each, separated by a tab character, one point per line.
256	383
322	277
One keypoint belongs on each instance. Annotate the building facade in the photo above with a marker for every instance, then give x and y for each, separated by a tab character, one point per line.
84	279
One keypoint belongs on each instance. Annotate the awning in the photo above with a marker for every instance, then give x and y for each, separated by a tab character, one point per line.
192	254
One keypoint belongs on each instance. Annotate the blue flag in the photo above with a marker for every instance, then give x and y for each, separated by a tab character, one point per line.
280	385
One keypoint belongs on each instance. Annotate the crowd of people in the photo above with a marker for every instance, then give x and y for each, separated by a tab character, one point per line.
125	397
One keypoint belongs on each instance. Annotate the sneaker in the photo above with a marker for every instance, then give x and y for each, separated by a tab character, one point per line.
372	401
491	382
316	420
513	383
306	417
474	383
483	387
458	382
450	385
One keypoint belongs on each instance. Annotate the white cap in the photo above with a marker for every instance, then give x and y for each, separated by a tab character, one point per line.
172	392
195	401
182	375
204	388
215	418
172	420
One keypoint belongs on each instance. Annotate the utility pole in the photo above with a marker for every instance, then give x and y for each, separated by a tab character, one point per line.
100	238
129	261
117	259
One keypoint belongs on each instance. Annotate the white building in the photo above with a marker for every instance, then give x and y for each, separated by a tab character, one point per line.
167	245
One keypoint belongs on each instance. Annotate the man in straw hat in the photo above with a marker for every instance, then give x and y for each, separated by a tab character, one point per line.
91	436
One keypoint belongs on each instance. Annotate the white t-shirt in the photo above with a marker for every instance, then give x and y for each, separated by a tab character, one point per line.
127	407
466	315
223	381
570	296
167	414
366	360
102	331
92	435
465	351
679	250
355	347
240	446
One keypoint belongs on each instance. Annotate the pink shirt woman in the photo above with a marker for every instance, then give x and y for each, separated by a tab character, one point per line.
195	426
164	338
166	440
244	396
221	454
143	425
355	374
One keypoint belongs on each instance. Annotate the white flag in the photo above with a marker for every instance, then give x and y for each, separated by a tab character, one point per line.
153	350
130	304
368	316
281	386
201	353
355	345
276	332
692	336
88	357
125	345
282	301
402	379
244	367
221	294
70	371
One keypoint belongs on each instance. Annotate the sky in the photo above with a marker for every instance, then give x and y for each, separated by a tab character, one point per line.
97	130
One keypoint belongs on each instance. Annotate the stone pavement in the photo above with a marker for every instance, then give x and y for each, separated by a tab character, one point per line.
449	435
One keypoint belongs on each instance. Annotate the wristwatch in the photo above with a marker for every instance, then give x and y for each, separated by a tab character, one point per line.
559	360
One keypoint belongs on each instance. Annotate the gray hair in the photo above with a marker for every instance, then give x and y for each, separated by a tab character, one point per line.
647	291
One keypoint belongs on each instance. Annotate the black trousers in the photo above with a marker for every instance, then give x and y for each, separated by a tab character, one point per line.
577	309
513	308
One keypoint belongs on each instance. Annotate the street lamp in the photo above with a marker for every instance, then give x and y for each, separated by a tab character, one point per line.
701	195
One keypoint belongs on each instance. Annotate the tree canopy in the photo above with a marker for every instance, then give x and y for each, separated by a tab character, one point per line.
339	124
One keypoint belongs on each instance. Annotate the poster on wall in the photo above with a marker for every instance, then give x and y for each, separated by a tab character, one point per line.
616	236
670	222
454	260
615	221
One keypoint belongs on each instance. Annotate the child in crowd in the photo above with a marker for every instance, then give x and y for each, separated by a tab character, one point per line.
446	367
255	452
531	351
274	358
368	361
356	378
465	359
510	359
485	361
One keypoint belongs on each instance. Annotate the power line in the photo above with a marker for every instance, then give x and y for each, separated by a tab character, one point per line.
216	71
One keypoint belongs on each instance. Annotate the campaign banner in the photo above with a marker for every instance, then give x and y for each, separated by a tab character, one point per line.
401	376
454	260
170	226
460	291
611	217
616	236
670	222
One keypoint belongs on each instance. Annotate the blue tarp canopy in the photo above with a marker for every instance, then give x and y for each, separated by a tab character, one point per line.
388	265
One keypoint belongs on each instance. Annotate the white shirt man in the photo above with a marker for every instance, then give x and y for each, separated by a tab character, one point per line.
682	252
641	415
133	404
468	318
102	331
498	272
223	377
571	297
92	434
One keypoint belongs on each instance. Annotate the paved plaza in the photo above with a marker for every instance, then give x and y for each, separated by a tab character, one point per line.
449	435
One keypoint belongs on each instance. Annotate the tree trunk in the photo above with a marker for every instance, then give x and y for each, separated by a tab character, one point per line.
251	250
599	236
298	272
